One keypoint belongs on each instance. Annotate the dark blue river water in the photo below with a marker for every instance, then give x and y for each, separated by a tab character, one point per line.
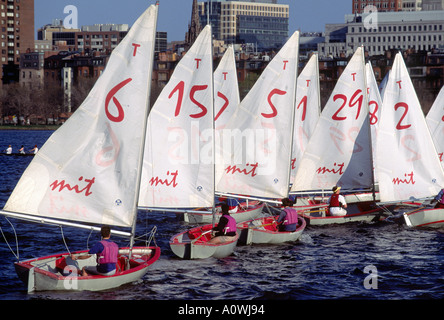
374	261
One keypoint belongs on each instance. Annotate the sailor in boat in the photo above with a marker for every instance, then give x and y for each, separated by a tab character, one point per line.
439	199
225	231
337	203
106	251
288	218
22	150
9	150
34	150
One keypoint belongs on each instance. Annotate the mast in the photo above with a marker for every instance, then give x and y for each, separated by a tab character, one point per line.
366	103
292	120
213	128
142	144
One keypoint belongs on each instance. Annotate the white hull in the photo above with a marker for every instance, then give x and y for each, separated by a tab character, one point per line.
351	198
432	218
46	273
263	231
245	212
358	212
193	244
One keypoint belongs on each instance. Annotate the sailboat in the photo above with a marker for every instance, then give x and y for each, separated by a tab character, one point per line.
178	165
259	142
339	151
435	122
87	173
226	93
308	110
418	173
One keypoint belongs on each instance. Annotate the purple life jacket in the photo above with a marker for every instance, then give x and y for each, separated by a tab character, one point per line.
291	217
231	225
109	253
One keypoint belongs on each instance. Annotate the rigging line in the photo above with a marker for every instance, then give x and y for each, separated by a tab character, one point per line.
147	239
63	237
152	236
17	256
87	240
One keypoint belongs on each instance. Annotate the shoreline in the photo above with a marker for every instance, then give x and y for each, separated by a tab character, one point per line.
30	127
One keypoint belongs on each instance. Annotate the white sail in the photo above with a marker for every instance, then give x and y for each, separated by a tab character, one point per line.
178	168
374	105
338	152
307	112
87	170
407	163
226	101
435	122
383	84
259	135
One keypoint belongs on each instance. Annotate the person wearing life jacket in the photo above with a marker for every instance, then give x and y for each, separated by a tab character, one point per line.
288	218
440	199
225	230
106	251
336	203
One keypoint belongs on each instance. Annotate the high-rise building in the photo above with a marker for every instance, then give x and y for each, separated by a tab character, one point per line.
419	31
387	5
263	23
17	35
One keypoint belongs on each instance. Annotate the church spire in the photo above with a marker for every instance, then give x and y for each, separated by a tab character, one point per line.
194	28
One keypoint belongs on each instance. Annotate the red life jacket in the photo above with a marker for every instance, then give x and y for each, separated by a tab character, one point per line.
334	201
109	253
291	217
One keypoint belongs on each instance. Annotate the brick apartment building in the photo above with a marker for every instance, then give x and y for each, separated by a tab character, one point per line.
17	35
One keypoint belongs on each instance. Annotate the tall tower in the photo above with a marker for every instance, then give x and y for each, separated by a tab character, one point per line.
194	28
17	35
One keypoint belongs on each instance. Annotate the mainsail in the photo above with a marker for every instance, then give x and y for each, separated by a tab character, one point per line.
308	110
226	101
407	162
178	166
338	152
88	169
259	134
435	122
374	105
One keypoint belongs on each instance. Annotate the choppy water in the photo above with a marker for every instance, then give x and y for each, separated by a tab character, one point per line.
327	263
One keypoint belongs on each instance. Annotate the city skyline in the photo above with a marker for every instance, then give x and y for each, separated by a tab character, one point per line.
309	17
